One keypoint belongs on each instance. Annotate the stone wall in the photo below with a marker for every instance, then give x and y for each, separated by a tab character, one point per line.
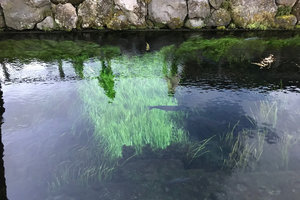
48	15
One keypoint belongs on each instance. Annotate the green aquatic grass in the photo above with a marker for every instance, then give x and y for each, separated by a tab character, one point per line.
245	152
287	142
266	113
126	119
197	149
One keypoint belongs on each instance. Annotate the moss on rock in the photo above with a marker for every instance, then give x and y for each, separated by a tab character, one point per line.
286	21
283	10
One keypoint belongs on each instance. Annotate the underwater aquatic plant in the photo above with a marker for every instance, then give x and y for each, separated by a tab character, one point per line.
106	80
128	120
287	142
244	152
197	149
266	113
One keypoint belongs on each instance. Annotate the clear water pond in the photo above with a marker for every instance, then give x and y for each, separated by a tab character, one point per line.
191	116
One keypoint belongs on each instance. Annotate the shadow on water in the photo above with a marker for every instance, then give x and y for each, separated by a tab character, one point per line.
98	116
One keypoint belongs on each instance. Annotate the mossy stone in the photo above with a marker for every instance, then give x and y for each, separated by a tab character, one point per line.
286	21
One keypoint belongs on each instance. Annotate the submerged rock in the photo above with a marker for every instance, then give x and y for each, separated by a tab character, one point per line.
296	11
65	16
286	22
216	3
47	24
168	12
2	22
198	8
219	17
134	10
152	169
245	12
95	13
195	23
20	15
290	3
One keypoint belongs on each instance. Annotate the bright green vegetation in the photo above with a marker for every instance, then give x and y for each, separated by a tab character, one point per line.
120	110
257	26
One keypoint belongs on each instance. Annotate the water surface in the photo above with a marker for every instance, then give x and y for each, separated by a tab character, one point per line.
97	116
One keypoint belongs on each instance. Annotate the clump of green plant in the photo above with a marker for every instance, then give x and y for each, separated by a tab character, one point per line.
257	26
266	113
232	26
221	28
283	10
288	141
127	119
196	150
245	152
106	80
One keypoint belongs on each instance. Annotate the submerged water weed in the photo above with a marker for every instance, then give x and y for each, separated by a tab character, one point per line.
287	142
266	113
127	120
106	80
245	152
197	149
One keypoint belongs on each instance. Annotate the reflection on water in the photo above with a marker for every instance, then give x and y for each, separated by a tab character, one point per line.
190	119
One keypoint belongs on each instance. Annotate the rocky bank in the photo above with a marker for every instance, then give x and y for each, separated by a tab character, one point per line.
49	15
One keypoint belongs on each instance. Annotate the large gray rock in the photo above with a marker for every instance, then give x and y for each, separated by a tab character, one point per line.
195	23
95	13
198	9
135	11
47	24
219	17
168	12
74	2
296	10
216	3
2	22
245	12
65	16
39	3
20	15
290	3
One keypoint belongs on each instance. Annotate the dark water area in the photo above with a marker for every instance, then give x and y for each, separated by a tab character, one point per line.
192	116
